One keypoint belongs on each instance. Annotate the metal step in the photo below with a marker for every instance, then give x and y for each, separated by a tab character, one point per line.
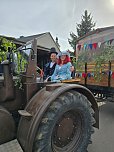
12	146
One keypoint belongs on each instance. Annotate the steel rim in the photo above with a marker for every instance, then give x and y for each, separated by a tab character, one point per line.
67	132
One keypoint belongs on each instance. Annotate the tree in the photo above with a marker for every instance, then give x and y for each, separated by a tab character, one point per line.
73	40
86	24
83	28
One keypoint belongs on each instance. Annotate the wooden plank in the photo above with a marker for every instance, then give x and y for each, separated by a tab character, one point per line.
102	82
112	82
71	80
82	80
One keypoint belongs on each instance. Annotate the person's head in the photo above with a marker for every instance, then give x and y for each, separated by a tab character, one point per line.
64	57
53	54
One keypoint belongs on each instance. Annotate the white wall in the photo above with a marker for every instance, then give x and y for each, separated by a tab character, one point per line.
47	41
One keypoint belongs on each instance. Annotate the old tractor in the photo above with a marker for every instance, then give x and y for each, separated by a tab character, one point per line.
45	116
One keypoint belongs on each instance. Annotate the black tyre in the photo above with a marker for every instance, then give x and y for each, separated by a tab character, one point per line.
66	126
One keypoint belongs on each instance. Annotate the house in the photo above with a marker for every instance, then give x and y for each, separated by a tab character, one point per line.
44	43
95	40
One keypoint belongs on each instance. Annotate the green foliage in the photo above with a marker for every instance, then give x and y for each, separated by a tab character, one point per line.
104	56
86	24
18	61
18	83
83	28
4	45
21	63
82	59
73	40
16	56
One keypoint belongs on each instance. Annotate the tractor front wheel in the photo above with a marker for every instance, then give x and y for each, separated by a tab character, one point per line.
66	126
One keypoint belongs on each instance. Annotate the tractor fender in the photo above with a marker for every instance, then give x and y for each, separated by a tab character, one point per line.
38	105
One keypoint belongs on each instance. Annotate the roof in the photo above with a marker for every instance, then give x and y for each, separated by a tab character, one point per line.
11	38
29	38
16	41
98	30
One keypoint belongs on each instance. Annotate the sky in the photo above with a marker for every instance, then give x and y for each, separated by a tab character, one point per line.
59	17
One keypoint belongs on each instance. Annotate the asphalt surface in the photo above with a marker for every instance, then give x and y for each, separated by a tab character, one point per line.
103	139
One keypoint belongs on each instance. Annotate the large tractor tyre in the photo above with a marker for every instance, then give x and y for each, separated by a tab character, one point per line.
66	126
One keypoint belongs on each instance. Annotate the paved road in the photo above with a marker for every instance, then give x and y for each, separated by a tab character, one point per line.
103	139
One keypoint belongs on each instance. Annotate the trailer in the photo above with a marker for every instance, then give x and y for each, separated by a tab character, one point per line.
101	86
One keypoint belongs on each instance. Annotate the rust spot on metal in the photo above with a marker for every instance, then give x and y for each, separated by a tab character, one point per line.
65	129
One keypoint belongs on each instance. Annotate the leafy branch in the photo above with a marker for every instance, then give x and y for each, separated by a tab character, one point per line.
98	58
18	62
106	55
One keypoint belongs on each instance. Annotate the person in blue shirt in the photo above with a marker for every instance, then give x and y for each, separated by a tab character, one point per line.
63	68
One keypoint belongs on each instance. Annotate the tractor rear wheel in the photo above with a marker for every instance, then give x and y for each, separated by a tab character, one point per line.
66	126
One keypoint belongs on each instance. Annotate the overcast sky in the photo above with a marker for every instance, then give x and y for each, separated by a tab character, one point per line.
59	17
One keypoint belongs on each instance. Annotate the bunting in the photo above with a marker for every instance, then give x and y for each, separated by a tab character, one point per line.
91	74
99	44
90	46
85	46
93	45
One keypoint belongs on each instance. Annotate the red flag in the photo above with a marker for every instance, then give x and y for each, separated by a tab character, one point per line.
84	75
113	75
95	45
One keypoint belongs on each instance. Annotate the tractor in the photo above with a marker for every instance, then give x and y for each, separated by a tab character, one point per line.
45	116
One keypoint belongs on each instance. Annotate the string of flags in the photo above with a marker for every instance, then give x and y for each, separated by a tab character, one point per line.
92	45
92	74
